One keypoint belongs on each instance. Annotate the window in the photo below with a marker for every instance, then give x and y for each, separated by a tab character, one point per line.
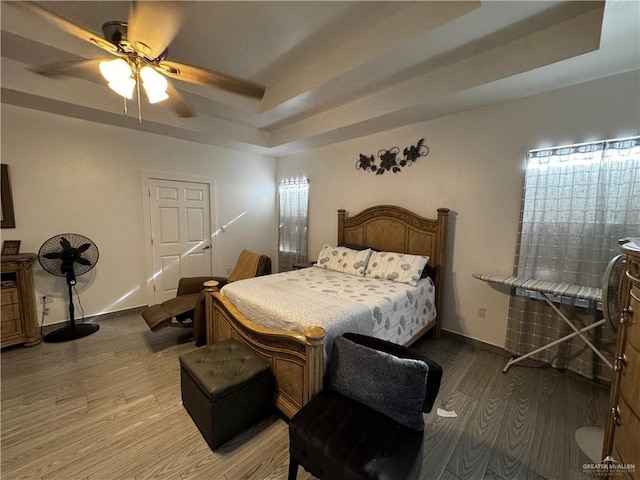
578	202
293	223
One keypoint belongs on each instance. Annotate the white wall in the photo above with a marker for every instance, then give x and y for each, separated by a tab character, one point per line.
74	176
475	168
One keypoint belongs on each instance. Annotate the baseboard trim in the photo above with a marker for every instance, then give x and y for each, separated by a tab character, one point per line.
117	313
477	343
531	363
96	318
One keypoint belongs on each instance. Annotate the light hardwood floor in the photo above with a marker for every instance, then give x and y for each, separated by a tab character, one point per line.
108	407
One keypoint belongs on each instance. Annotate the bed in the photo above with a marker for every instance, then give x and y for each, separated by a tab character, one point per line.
298	356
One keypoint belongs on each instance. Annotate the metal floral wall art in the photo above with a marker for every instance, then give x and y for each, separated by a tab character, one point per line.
389	160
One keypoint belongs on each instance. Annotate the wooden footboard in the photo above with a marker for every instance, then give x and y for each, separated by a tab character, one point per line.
296	359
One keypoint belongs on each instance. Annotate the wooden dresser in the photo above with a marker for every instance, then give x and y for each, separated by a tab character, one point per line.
622	433
18	315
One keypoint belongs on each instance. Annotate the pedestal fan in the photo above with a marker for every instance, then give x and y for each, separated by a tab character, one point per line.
69	255
590	439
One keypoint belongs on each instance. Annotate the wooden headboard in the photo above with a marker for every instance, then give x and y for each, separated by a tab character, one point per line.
395	229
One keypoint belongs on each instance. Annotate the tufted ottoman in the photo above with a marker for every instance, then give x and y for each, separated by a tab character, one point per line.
225	388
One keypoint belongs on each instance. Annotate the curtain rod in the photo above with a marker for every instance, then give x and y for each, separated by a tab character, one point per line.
294	181
559	147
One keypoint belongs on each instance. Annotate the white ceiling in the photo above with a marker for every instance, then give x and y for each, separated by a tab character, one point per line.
332	70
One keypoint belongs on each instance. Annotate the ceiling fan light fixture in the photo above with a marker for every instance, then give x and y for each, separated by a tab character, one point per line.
115	70
118	74
154	84
123	87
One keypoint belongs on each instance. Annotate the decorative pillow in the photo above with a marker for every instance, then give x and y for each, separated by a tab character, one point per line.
343	260
390	385
398	267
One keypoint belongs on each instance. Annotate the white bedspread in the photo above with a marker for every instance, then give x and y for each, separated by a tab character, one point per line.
336	301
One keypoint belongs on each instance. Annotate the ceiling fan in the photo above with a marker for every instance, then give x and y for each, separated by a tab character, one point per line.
141	46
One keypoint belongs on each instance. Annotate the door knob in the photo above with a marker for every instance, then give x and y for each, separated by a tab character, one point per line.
206	247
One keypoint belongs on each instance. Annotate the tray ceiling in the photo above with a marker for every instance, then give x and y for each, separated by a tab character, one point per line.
333	71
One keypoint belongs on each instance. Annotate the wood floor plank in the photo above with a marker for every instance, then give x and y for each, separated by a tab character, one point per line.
454	369
120	433
442	435
15	432
533	475
281	472
164	464
476	380
512	449
62	445
551	447
108	407
114	460
472	454
446	475
491	475
264	460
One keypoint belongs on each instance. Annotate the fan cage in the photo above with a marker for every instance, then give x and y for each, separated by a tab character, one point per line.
612	289
76	241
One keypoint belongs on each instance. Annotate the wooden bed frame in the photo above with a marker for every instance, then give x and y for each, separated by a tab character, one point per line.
297	358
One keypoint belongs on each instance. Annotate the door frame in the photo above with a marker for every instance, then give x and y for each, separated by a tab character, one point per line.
145	176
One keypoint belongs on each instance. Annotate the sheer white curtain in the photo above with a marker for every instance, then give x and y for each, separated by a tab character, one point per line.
293	223
578	202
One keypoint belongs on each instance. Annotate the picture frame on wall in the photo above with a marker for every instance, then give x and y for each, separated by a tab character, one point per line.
11	247
8	219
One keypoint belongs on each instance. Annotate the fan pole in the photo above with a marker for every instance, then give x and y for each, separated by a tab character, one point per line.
72	321
73	331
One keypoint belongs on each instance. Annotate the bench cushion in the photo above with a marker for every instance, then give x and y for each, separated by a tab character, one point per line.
223	368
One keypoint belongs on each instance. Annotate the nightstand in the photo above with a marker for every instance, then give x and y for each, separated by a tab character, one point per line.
300	265
19	323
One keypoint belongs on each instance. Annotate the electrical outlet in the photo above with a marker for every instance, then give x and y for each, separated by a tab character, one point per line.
228	270
481	312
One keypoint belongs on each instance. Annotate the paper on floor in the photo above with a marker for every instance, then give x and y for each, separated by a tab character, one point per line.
445	413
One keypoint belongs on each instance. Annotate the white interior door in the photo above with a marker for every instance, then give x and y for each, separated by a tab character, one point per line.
180	233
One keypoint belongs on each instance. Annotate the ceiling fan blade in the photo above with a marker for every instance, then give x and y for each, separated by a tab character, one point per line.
66	25
153	25
83	69
52	255
83	261
176	103
209	78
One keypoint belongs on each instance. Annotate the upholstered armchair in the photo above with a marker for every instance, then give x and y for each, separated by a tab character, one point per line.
367	422
189	300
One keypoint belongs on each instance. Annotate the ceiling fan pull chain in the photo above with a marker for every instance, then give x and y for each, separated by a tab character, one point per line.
138	88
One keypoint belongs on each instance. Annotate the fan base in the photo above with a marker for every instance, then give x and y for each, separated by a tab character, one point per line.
590	441
71	332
